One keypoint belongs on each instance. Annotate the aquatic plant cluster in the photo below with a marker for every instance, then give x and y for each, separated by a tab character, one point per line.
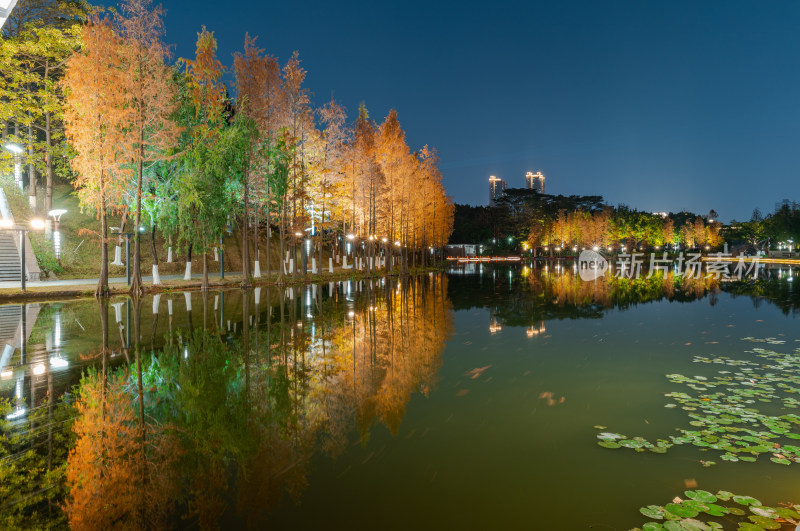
723	411
745	511
724	417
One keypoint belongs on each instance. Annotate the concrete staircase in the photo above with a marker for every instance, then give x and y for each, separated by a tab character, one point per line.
9	249
9	258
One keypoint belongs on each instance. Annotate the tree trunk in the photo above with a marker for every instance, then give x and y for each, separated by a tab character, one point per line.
246	283
153	245
48	197
136	278
269	235
255	236
31	171
205	271
156	277
281	275
102	282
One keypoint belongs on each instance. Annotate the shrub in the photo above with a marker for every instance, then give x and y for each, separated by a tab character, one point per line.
45	255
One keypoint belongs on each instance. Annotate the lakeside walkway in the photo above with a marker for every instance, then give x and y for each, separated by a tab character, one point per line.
83	287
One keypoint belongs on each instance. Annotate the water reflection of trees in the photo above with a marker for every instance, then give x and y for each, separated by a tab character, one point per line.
222	422
783	292
521	296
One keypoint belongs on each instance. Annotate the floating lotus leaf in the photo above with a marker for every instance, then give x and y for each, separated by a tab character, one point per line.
716	510
785	512
690	524
629	443
610	436
702	496
746	500
766	512
764	522
608	444
681	509
656	512
652	526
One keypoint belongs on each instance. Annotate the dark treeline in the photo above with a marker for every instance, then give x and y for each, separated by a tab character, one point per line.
534	221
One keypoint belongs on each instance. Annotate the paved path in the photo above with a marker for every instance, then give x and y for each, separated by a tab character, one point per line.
111	280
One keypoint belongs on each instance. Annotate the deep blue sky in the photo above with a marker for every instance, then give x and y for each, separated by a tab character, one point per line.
660	105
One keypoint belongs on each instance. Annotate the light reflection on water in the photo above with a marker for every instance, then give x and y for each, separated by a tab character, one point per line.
464	400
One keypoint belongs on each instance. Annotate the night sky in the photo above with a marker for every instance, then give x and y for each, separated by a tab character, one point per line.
660	105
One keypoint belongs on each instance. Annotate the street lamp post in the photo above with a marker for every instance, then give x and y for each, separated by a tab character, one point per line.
15	149
56	215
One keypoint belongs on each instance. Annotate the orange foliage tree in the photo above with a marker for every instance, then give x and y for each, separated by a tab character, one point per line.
151	96
95	117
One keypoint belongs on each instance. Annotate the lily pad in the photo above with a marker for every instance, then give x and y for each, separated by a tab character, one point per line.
656	512
764	522
701	495
766	512
610	436
746	500
716	510
690	524
681	509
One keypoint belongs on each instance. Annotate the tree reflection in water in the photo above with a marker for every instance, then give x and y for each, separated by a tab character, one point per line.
221	421
176	423
529	297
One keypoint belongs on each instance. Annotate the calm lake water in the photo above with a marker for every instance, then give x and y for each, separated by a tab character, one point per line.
461	400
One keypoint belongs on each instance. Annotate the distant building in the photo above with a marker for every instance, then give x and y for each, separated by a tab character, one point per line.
497	188
458	250
535	181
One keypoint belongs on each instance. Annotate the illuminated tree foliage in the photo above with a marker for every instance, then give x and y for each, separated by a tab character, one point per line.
96	117
203	199
199	162
151	100
37	41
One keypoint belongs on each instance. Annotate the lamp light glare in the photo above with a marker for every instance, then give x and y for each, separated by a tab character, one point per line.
14	148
